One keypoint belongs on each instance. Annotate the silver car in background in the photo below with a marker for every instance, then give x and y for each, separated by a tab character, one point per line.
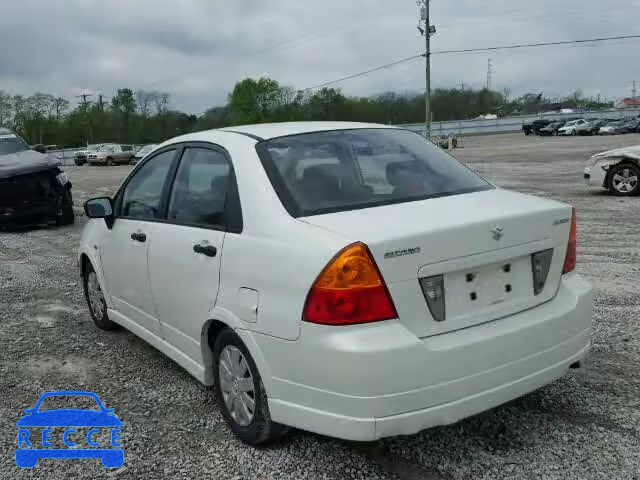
143	152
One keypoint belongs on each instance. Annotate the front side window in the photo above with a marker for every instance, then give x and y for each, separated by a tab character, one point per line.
142	195
200	189
323	172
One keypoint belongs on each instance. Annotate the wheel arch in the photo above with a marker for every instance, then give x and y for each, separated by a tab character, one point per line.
85	258
219	319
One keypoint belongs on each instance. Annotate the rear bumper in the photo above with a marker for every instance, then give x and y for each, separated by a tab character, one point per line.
380	380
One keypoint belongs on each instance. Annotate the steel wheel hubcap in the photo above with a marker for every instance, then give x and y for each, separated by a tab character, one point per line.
236	385
625	180
96	298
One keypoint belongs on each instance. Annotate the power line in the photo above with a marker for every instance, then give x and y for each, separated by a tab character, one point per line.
381	67
470	50
529	45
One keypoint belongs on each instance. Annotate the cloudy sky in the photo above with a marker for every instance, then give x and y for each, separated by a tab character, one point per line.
197	49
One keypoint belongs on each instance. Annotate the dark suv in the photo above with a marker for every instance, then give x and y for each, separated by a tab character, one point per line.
535	126
33	187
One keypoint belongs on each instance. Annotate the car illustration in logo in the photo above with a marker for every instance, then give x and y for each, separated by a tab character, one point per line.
31	447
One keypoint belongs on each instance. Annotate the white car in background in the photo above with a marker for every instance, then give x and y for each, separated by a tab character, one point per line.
349	279
616	170
142	152
80	157
570	128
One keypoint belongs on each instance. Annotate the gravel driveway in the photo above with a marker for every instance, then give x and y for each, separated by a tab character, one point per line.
584	426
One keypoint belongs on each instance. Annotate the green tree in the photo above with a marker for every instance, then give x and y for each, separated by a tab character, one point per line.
124	103
252	100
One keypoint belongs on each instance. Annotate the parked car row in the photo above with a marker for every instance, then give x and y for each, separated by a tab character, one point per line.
111	154
582	126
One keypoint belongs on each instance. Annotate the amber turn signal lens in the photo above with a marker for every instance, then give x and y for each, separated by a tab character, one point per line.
350	290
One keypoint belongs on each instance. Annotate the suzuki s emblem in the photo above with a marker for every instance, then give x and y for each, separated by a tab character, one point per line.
497	232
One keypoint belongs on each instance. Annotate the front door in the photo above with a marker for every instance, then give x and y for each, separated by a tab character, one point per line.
124	248
184	257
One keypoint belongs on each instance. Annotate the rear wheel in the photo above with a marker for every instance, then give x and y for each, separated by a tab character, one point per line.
95	299
240	392
624	180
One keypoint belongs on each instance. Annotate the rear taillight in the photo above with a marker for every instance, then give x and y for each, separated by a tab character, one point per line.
570	258
350	290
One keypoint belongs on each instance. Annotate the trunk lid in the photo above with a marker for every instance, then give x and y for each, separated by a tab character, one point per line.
481	243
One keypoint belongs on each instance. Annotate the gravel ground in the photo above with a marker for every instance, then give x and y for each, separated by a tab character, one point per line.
584	426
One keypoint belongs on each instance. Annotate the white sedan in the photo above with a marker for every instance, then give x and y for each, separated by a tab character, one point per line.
571	128
616	170
348	279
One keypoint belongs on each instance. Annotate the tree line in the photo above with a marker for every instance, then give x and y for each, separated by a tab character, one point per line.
140	116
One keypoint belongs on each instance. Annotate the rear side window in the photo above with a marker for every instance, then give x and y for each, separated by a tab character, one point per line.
200	189
325	172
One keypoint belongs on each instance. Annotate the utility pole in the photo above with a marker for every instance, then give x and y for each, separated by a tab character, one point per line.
84	97
461	87
426	29
489	73
633	90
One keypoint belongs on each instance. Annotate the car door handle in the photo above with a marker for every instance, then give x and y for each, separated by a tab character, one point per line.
208	250
139	237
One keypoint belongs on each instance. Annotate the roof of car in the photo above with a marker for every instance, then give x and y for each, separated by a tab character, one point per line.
5	131
266	131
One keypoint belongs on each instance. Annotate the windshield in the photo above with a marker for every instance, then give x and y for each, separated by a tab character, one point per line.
11	143
341	170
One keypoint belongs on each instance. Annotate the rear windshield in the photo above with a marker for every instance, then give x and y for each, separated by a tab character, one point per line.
10	143
333	171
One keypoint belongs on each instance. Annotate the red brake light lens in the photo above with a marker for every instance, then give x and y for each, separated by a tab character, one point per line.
349	291
570	257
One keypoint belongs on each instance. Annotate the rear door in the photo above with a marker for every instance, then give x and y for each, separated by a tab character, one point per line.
124	248
184	257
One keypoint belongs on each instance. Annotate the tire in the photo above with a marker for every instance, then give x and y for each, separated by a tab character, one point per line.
623	180
256	427
67	217
109	161
573	133
99	315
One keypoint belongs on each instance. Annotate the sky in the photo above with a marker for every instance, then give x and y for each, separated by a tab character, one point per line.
196	50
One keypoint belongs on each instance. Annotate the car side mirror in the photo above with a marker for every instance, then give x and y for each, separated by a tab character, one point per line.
101	207
29	411
40	148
